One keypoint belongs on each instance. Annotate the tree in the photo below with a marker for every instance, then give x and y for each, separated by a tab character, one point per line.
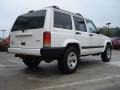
108	32
116	32
111	32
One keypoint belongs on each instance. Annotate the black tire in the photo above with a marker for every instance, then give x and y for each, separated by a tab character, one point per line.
104	55
65	64
30	62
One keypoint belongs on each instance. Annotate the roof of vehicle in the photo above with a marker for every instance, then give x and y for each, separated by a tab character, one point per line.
57	8
61	10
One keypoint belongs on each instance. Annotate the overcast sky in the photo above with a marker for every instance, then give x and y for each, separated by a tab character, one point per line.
100	11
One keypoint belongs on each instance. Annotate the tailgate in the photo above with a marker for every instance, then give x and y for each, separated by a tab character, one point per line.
27	31
29	39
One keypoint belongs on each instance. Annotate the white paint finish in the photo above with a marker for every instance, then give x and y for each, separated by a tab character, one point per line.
78	83
59	37
25	51
32	37
84	40
65	43
31	40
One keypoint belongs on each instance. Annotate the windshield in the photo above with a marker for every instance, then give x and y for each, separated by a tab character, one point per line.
30	21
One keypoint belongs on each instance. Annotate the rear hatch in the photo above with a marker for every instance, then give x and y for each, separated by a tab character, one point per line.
27	31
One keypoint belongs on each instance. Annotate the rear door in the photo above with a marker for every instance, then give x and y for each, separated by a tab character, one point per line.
82	35
61	28
27	31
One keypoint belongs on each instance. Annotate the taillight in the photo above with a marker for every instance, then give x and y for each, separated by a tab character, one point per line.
46	39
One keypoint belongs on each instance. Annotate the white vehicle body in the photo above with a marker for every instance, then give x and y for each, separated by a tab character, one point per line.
60	37
27	37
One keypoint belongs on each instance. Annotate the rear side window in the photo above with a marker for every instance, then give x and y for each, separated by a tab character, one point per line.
62	20
79	24
30	21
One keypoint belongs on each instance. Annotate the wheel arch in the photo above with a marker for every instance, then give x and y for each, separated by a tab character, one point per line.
76	45
107	43
72	43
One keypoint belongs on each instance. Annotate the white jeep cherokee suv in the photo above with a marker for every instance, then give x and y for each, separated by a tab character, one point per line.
55	34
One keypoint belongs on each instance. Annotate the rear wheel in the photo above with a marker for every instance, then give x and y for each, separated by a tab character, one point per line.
69	62
106	55
31	63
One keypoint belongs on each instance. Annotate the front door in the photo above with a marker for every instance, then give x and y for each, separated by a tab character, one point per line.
95	39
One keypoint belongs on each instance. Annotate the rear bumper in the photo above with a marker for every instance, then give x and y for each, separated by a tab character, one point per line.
43	52
52	52
21	51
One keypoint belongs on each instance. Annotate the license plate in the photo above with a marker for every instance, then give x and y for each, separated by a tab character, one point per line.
23	43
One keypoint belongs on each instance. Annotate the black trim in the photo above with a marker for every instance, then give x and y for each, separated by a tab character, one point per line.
90	47
52	52
93	54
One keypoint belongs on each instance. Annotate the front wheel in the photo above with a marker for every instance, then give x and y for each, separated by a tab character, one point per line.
106	55
69	62
30	62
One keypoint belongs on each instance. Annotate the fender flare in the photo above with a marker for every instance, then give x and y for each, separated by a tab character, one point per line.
68	41
72	41
106	42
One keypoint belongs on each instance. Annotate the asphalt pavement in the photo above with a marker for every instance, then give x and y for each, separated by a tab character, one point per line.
92	74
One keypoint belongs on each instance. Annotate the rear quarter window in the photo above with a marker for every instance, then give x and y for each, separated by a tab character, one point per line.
62	20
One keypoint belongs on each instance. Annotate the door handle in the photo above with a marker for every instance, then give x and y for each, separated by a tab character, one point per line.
78	33
91	34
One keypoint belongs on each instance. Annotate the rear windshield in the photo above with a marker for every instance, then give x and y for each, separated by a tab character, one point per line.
30	20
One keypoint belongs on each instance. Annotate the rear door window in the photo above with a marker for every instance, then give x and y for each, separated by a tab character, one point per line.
62	20
31	20
79	24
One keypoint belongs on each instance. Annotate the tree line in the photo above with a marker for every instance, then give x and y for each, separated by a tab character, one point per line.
110	32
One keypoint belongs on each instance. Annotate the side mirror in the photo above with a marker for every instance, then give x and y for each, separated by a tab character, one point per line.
100	31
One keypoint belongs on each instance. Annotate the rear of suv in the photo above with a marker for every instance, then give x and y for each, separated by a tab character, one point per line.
116	42
55	34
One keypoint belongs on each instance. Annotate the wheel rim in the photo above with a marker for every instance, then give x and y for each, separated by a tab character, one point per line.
109	53
72	60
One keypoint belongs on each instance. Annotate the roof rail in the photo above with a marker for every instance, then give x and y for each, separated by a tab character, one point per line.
56	7
31	11
79	14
